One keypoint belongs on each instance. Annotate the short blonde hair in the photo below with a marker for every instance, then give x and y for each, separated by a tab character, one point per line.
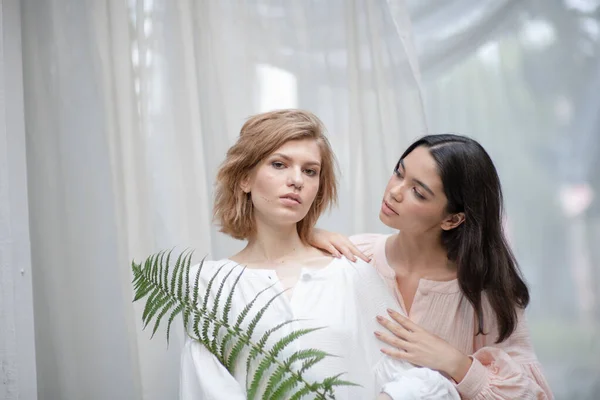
260	136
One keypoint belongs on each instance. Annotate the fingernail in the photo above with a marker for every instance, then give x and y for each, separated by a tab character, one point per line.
390	311
377	333
353	259
379	318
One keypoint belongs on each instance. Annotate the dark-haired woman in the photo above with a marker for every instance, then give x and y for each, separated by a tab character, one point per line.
452	271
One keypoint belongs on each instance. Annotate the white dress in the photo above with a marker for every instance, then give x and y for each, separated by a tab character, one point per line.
343	297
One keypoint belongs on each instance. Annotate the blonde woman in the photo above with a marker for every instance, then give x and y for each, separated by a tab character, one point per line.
274	184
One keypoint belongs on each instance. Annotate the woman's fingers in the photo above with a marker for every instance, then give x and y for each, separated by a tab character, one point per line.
397	329
394	341
403	320
334	252
349	250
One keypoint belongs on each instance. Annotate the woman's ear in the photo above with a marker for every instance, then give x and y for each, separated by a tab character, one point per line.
245	184
452	221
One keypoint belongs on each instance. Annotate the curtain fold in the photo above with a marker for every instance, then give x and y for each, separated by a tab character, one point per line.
130	108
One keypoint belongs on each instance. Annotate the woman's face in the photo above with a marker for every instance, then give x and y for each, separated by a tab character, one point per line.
284	185
414	199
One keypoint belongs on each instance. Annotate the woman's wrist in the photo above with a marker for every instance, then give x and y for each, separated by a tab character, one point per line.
460	367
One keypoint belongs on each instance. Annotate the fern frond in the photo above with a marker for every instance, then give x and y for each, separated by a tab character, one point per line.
165	271
301	392
223	346
265	337
159	272
165	309
260	313
284	388
196	298
274	380
260	345
289	338
257	377
329	383
184	271
169	293
213	314
174	314
150	304
173	287
157	306
229	301
238	347
210	318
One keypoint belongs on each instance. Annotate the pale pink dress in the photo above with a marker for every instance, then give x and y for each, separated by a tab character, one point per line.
509	370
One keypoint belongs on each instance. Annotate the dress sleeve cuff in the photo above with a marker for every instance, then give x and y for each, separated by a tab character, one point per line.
474	381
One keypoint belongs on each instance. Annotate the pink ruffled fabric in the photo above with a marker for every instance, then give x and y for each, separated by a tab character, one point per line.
495	375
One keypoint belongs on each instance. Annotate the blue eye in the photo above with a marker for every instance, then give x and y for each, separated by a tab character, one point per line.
310	172
278	164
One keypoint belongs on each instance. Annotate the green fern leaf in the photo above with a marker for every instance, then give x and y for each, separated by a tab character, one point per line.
168	292
284	387
260	345
274	380
159	303
141	289
183	292
301	392
309	363
173	288
165	271
260	313
195	296
163	312
289	338
329	383
155	268
160	264
185	266
208	321
150	304
263	366
174	314
223	346
306	354
215	310
237	348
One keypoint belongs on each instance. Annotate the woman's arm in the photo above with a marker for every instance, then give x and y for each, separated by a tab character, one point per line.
508	370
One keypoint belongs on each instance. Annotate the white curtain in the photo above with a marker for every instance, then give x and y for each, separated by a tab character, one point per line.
130	107
523	78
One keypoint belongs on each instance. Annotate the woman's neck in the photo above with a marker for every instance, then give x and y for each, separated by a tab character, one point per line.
422	255
272	245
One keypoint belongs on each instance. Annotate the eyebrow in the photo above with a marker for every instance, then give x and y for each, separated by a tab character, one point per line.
287	158
424	186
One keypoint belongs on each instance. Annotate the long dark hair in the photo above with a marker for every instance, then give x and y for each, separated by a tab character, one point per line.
478	245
